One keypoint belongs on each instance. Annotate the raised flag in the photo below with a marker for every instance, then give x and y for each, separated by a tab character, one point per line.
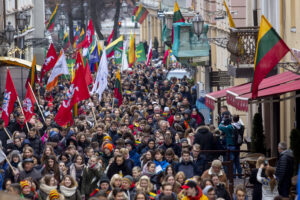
87	74
51	21
131	50
270	49
10	96
32	75
94	57
125	65
134	12
141	14
77	92
166	56
101	78
59	69
177	16
76	37
110	37
88	36
118	88
81	36
149	55
66	41
78	64
49	62
28	104
140	53
231	22
110	49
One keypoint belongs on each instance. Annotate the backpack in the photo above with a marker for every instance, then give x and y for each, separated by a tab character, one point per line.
237	135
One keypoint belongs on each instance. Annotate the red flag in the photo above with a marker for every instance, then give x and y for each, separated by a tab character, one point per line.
78	63
50	61
87	74
88	37
166	56
28	104
110	37
10	96
78	91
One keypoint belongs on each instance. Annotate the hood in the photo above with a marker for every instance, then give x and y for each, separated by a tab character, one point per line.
203	130
288	153
237	125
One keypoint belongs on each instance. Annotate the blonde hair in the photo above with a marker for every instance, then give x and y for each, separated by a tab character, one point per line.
149	186
260	160
270	171
216	163
180	174
113	179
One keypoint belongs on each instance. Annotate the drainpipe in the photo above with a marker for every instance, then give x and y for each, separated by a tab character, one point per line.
255	20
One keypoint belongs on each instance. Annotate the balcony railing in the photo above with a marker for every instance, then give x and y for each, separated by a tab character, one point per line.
242	45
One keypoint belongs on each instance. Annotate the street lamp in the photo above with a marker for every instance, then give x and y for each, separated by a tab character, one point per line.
28	17
21	20
198	24
62	20
9	33
124	7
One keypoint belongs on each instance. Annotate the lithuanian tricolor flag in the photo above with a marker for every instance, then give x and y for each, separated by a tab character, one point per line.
231	22
141	14
110	49
118	88
270	49
50	24
81	36
32	75
66	41
76	37
177	16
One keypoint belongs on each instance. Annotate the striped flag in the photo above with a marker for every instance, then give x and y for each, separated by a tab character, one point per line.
51	21
131	50
270	49
118	88
149	56
32	75
66	41
141	14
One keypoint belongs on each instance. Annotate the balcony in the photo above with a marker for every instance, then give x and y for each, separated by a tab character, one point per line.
242	45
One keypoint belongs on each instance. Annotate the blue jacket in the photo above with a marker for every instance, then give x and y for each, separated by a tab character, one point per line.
163	164
135	157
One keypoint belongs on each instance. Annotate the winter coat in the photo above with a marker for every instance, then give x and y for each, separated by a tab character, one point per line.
4	137
70	193
284	172
37	144
90	179
135	157
173	194
267	193
34	174
188	168
222	176
221	192
257	190
76	173
98	138
200	196
200	164
228	130
117	169
204	138
173	146
160	166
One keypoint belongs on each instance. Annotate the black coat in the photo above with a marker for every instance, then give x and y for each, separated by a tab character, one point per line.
4	137
15	126
205	139
37	144
188	168
257	190
221	192
284	172
116	169
34	174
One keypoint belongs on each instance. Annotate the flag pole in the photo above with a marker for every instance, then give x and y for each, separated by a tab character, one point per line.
8	162
94	116
22	112
7	133
37	103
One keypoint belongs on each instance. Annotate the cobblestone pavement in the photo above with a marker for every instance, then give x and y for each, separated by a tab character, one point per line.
238	181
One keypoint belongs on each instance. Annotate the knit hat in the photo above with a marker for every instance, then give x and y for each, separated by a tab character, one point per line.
107	137
189	184
54	194
104	179
128	178
24	183
108	146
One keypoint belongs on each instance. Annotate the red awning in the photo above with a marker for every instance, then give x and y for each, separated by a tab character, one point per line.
212	98
278	84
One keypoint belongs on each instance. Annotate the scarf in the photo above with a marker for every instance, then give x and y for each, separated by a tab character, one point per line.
21	125
68	192
78	166
46	188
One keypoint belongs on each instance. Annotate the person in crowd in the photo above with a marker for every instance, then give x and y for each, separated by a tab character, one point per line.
27	192
219	188
118	167
76	169
159	160
216	168
69	188
269	183
104	185
55	195
186	165
47	184
29	170
128	187
118	194
180	177
176	185
136	174
284	169
240	193
140	195
166	192
192	191
257	187
116	181
91	175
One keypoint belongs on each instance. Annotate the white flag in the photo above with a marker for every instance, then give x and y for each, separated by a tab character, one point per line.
101	78
125	65
59	68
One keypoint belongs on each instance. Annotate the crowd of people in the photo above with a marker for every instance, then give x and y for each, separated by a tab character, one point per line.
147	148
